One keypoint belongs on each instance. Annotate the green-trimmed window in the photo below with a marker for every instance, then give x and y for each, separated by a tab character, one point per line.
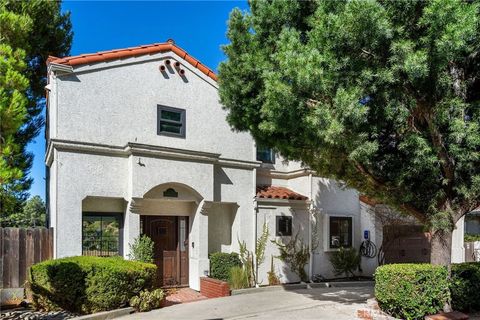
265	154
171	121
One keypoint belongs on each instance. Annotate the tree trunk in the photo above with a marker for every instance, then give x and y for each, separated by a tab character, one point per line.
441	250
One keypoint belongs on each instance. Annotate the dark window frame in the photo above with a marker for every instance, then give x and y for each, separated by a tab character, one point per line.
118	215
272	155
350	231
289	224
182	122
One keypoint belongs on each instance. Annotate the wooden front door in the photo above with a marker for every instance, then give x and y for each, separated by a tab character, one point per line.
170	236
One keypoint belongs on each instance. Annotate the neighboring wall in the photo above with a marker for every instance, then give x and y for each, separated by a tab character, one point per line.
267	212
333	199
329	198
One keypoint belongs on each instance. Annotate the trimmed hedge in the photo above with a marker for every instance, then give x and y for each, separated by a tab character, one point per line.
411	291
88	284
221	263
465	286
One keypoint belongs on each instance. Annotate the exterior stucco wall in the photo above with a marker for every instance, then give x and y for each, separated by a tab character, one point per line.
267	213
238	186
78	177
118	104
220	220
333	200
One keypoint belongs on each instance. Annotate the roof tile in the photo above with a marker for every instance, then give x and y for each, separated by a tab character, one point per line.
272	192
109	55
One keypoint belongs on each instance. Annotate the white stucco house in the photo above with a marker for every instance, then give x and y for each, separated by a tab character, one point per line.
137	143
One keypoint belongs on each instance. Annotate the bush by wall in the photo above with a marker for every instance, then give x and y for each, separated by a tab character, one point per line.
411	291
345	261
221	263
238	278
147	300
88	284
142	249
465	286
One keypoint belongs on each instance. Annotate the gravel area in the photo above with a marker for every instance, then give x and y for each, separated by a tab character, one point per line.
29	314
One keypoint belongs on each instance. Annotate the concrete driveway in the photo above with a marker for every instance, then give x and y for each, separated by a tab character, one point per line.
318	303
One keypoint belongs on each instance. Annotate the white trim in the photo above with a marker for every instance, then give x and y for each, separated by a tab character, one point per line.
60	68
262	201
283	174
137	149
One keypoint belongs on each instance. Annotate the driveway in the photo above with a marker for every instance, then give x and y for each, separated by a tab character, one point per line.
318	303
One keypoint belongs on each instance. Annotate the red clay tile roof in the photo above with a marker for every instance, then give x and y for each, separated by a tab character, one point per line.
272	192
367	200
133	52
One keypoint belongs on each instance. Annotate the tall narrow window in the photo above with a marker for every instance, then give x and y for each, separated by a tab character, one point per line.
265	154
341	232
171	121
101	234
284	226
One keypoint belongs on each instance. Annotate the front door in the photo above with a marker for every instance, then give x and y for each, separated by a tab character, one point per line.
170	236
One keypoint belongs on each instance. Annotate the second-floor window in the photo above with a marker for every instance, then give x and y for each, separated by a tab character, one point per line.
171	121
265	154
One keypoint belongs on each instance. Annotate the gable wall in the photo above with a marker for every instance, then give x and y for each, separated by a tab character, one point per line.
118	104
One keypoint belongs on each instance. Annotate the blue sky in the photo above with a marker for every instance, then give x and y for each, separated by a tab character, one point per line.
198	27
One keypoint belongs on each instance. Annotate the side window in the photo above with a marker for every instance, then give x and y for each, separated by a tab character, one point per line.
171	121
265	154
283	226
340	232
101	234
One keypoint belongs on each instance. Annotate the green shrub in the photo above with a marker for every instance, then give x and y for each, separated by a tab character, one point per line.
411	291
471	237
221	263
142	249
238	278
88	284
296	254
345	261
465	286
147	300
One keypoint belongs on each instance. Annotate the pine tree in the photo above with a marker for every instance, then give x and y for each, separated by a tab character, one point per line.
383	95
30	31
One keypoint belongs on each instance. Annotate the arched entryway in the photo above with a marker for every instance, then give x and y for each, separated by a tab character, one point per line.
166	212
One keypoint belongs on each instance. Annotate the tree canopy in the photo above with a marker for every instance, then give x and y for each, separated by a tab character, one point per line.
383	95
33	214
30	31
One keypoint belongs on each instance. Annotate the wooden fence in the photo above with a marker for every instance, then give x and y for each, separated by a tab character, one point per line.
19	249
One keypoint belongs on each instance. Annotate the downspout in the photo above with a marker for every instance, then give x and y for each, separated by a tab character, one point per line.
55	158
255	212
310	221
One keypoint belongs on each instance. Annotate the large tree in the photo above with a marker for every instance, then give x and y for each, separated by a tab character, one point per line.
30	31
383	95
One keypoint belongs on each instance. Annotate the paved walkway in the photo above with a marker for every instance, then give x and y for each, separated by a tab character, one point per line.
318	303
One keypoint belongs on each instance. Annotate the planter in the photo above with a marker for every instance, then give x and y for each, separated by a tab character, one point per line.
213	288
